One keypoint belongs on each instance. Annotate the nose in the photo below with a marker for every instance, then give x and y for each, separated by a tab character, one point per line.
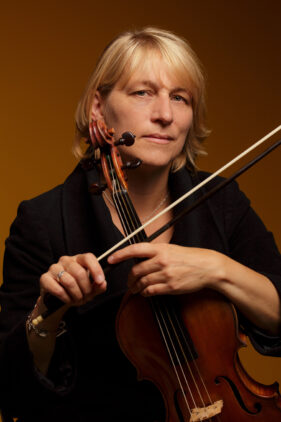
162	110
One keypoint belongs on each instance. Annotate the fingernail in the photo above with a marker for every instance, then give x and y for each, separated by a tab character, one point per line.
110	259
100	278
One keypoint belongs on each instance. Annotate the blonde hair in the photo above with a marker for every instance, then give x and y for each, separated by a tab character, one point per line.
122	57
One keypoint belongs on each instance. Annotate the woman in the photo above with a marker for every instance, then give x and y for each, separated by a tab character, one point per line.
151	83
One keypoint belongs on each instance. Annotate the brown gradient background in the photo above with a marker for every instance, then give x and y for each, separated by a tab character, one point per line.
48	50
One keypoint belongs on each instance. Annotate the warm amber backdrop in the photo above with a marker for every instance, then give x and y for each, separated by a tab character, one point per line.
48	49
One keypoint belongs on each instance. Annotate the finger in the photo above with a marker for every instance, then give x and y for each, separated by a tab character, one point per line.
137	250
49	284
80	275
72	277
160	289
150	279
141	270
154	290
71	286
89	261
97	290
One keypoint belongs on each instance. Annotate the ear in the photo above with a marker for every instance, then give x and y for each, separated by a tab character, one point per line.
97	107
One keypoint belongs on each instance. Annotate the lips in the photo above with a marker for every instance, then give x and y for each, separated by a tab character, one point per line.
159	137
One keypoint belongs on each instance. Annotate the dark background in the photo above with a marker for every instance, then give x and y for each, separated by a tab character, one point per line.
48	50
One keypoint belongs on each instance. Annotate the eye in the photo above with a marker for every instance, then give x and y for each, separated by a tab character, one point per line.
140	93
180	98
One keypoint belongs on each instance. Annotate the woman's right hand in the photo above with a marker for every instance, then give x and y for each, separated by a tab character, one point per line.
75	280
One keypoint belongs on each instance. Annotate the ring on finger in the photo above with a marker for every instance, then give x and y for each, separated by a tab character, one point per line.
60	274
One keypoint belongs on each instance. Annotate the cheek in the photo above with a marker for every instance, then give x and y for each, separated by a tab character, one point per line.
187	124
110	116
189	119
116	120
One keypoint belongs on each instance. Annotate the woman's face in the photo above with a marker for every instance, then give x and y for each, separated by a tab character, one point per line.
155	107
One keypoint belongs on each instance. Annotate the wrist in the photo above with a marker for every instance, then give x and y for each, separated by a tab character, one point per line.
52	326
44	332
219	271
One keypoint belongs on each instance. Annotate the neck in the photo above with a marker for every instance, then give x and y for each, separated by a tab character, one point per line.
147	188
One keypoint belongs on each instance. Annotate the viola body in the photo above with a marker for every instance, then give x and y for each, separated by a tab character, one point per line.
187	345
214	383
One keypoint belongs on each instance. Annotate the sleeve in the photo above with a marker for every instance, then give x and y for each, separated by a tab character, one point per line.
28	254
253	245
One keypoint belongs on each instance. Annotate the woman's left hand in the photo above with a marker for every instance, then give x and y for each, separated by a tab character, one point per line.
170	269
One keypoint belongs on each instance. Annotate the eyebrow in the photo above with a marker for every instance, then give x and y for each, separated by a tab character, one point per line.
174	90
180	89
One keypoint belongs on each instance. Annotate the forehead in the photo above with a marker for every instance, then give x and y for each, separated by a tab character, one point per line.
154	68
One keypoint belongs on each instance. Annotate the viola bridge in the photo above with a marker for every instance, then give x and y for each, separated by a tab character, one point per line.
203	413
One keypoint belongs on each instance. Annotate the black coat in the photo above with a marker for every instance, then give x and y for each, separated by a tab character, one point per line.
89	378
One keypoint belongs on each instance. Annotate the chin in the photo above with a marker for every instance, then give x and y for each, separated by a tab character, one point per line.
150	157
155	164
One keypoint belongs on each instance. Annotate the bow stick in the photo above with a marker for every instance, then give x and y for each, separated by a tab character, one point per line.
193	190
54	303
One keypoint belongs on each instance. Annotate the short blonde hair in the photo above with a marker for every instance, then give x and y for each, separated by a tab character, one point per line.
123	56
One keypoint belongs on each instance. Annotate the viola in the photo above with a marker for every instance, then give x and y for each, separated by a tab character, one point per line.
186	345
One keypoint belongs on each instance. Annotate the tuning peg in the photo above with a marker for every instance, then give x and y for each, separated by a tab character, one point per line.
89	163
127	139
97	189
132	164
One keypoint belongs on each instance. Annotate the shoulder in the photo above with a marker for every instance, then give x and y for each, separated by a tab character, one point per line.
226	199
50	202
228	205
38	213
229	194
45	212
44	201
